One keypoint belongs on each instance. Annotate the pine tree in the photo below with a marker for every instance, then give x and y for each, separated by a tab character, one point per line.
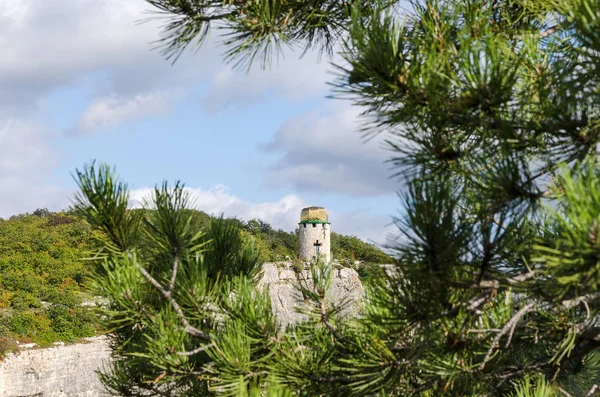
493	111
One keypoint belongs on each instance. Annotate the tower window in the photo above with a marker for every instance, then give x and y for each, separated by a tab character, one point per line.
317	246
304	225
314	225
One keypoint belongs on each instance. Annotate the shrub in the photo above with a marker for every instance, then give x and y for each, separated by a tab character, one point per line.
71	324
22	300
7	345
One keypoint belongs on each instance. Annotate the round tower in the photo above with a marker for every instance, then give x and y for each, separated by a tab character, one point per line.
314	232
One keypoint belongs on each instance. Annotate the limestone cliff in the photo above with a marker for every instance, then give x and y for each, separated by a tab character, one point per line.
282	279
58	371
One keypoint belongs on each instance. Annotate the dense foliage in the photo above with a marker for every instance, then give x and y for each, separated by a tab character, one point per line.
277	245
43	278
492	108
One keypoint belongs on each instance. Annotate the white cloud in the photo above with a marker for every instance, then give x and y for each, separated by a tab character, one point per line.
292	77
283	213
324	151
48	44
26	160
280	214
112	110
53	44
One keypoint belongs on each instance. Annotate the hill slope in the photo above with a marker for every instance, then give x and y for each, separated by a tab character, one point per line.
43	275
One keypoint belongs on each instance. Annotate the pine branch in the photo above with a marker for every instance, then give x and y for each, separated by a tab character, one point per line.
588	332
325	319
507	327
495	284
517	371
551	30
571	303
197	350
473	305
332	379
191	330
173	274
564	392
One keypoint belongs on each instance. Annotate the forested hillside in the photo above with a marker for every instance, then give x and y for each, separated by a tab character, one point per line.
44	275
43	278
279	245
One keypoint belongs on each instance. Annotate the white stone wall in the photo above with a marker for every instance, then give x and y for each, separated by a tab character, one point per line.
59	371
282	280
309	233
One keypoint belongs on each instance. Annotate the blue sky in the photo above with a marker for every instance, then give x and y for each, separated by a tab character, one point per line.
79	81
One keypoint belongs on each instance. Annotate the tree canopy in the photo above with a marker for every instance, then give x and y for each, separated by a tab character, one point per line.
492	110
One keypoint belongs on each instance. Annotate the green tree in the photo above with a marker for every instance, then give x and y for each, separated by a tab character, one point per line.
492	109
173	291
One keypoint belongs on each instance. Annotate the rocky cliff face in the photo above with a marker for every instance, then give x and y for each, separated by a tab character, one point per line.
282	281
59	371
70	371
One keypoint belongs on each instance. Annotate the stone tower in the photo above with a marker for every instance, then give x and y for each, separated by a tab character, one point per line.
314	232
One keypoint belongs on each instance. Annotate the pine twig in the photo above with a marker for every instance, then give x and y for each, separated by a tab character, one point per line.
510	335
325	319
592	391
507	327
511	281
197	350
564	392
190	329
587	310
555	374
569	304
484	331
174	274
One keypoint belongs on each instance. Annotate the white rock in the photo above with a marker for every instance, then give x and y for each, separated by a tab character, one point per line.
56	371
282	281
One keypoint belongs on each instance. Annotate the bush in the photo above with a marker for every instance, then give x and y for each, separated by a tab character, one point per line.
22	300
71	324
7	345
370	272
33	325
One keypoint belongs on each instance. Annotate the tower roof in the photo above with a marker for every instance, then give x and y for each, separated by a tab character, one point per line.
314	214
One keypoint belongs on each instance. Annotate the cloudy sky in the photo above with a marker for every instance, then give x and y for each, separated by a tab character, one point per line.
79	81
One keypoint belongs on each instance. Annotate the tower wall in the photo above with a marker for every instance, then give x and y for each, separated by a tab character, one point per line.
309	233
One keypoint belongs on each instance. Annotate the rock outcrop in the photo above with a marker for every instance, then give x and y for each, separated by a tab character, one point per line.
282	281
58	371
